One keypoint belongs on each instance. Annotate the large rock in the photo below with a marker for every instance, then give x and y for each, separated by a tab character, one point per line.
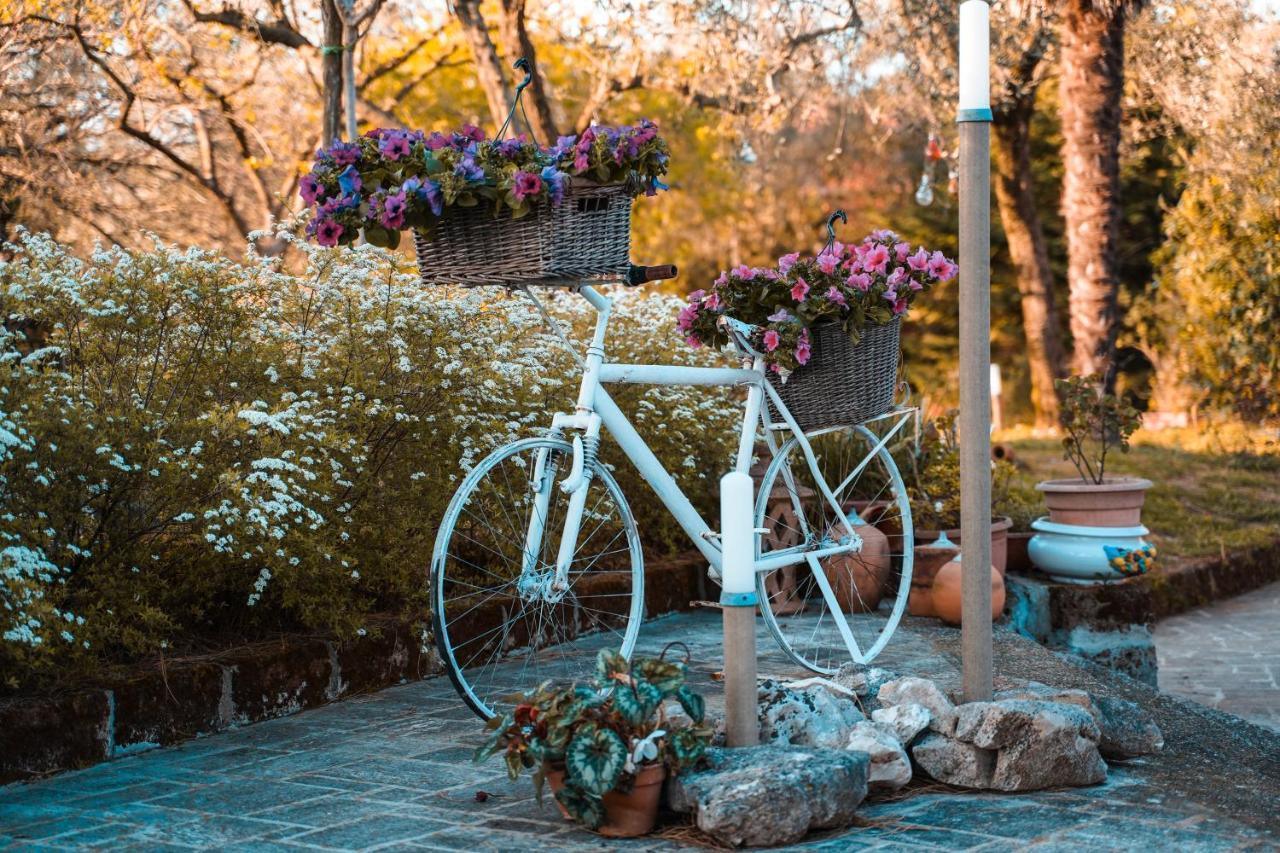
812	716
1016	745
773	794
904	721
890	768
1126	730
953	761
921	691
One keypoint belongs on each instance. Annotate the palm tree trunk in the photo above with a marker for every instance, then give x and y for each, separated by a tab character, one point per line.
1090	93
1011	151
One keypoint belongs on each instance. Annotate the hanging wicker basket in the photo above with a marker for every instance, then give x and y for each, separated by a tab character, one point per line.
844	383
587	236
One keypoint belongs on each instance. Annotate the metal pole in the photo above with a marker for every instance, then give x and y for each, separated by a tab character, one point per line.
738	603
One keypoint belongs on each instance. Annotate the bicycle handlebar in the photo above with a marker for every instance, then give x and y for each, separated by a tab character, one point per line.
638	275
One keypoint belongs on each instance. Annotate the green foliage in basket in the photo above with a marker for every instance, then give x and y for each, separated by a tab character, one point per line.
601	732
389	180
869	284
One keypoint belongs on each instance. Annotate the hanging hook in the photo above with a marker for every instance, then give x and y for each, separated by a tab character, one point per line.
521	64
831	229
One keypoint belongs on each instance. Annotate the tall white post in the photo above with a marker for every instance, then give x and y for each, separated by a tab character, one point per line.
974	117
738	603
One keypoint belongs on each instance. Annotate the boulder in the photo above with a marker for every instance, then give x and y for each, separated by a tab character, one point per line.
890	768
813	716
921	691
904	721
773	794
1018	745
1126	730
953	761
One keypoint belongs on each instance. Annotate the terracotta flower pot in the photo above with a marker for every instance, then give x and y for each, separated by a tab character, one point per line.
1019	561
947	598
626	815
1116	502
999	540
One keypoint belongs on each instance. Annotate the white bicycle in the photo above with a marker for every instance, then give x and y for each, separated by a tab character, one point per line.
538	557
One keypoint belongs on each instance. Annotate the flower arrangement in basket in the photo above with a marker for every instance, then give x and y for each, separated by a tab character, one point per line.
604	746
827	325
490	211
389	180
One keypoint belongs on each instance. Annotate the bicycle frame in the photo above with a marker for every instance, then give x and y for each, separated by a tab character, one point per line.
595	409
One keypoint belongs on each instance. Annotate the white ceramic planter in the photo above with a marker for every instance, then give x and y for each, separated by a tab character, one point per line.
1071	553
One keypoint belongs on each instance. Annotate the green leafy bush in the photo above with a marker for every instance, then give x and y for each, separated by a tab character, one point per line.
601	732
195	451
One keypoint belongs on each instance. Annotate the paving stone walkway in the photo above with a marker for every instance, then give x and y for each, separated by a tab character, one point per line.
392	771
1226	655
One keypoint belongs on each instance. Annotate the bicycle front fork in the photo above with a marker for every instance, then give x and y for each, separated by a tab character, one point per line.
535	581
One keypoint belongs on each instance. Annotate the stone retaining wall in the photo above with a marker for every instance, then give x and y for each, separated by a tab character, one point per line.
1110	623
155	706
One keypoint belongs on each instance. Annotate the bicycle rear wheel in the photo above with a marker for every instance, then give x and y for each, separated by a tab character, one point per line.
500	627
871	585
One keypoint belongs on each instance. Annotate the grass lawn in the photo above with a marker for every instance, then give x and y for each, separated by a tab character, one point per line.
1216	488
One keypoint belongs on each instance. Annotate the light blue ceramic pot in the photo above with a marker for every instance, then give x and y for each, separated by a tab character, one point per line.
1070	553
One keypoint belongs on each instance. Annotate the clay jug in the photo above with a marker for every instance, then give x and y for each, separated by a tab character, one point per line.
947	596
858	579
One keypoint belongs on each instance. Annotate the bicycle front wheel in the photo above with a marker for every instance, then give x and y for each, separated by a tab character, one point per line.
503	623
871	585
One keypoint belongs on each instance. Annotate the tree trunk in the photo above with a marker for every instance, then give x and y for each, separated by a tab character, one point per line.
1090	105
1011	150
485	56
515	38
331	68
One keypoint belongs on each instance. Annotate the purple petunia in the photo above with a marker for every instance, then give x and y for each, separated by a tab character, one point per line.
554	180
468	168
310	189
328	232
393	146
526	184
344	153
393	210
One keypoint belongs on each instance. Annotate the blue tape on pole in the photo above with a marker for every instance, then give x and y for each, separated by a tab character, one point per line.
981	114
738	599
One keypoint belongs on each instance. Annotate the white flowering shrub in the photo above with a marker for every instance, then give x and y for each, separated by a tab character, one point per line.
195	449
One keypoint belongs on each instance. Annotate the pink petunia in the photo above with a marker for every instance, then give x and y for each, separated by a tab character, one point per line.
802	348
686	318
771	340
900	307
693	342
827	262
941	268
895	278
712	302
860	280
800	290
744	272
876	259
786	262
900	251
834	295
919	261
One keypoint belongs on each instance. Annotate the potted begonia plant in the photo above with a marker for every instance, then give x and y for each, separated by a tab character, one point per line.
605	746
